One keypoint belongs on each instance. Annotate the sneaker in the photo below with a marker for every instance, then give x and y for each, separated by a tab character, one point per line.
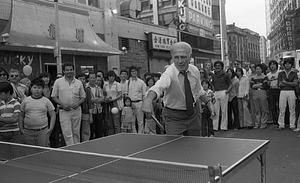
256	127
263	127
297	130
280	128
235	129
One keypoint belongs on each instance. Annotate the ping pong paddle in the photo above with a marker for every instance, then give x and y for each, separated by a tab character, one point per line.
158	123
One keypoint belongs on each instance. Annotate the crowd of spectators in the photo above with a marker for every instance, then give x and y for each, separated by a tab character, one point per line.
73	109
252	97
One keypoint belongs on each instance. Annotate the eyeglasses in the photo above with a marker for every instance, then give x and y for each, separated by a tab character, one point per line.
14	76
236	64
201	72
3	75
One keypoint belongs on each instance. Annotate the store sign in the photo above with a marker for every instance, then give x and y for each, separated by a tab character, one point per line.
199	31
199	20
200	6
161	42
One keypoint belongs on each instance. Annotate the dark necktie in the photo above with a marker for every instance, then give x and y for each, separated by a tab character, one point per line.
189	99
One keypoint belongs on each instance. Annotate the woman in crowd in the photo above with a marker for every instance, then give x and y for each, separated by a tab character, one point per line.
259	84
150	125
203	74
113	92
243	99
3	74
232	101
47	91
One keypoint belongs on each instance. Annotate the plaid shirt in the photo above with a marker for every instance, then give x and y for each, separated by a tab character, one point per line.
97	107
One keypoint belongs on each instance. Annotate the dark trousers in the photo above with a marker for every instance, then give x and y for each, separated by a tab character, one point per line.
97	126
274	104
207	124
233	107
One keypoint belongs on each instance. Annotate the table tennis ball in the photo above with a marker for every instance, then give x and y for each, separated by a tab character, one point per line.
114	110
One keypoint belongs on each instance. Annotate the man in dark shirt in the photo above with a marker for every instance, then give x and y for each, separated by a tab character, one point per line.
287	81
221	85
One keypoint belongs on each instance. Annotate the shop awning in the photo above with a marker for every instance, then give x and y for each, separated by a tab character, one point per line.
29	26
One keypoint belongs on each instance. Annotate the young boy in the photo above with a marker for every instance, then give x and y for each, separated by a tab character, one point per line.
9	114
33	120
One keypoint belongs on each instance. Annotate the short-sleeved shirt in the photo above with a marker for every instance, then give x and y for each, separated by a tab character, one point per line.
68	93
113	90
273	78
36	111
8	110
289	77
221	81
127	112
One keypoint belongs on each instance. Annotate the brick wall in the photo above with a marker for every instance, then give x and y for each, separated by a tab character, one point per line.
136	56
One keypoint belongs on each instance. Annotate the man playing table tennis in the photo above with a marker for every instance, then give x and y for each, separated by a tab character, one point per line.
181	86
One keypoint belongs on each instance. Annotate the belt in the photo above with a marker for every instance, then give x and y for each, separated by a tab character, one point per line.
135	101
38	129
181	110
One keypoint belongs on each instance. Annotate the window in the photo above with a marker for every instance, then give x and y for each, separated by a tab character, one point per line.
166	3
82	2
145	5
87	69
124	43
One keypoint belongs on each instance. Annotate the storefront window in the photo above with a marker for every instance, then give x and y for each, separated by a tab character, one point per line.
87	69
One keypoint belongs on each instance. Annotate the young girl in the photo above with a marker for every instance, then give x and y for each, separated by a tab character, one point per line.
207	125
127	118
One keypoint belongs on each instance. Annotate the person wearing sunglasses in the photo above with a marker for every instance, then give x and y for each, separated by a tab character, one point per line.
3	74
20	90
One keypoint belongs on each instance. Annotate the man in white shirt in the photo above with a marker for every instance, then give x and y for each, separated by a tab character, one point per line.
178	120
136	92
69	94
124	82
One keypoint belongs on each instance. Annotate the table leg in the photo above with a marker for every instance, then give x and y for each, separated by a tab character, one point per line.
262	160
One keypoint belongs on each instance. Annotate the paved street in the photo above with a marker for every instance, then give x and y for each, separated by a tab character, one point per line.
283	155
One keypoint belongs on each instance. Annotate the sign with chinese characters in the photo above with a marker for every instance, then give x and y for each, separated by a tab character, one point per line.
80	35
161	42
51	31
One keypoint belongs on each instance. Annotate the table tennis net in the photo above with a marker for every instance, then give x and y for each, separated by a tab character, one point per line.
103	168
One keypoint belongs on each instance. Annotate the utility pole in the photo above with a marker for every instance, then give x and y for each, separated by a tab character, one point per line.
57	51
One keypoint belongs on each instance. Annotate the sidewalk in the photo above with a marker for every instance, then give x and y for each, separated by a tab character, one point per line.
283	155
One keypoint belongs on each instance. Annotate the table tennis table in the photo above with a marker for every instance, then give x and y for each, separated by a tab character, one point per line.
125	157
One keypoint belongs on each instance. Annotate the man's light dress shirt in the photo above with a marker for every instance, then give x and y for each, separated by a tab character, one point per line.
171	84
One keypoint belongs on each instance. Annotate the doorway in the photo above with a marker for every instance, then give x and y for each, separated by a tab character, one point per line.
51	68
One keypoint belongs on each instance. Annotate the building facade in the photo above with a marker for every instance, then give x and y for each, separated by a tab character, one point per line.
193	21
280	26
263	49
28	36
93	36
243	45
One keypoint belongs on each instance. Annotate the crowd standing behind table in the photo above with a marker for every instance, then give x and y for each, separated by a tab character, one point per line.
262	100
